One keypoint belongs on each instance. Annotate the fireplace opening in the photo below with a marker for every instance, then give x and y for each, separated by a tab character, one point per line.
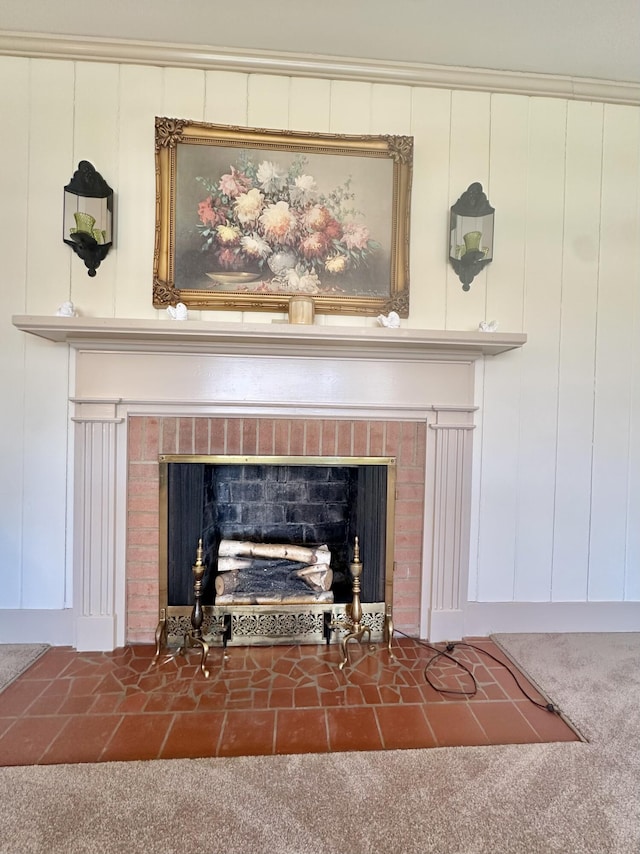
276	507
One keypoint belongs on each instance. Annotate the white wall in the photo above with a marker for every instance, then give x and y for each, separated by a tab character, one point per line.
557	457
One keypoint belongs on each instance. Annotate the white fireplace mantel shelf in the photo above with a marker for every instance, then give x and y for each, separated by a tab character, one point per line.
267	338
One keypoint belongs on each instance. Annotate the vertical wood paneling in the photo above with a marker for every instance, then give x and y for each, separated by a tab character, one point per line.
183	93
469	162
96	101
140	102
539	361
51	119
95	138
268	104
45	428
226	98
14	171
577	351
498	489
310	105
509	178
632	575
350	107
390	109
614	350
503	300
431	128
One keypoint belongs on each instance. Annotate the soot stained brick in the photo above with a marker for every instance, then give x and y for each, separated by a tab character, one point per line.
244	492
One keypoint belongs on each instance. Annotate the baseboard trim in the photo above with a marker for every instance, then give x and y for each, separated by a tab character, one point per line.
95	634
485	618
446	625
55	627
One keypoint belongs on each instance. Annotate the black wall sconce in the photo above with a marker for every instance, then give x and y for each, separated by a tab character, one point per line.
471	234
88	216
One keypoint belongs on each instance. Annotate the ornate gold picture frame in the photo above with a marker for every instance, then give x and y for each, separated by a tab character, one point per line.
247	218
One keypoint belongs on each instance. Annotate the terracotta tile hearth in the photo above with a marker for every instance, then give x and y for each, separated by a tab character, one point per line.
150	436
112	706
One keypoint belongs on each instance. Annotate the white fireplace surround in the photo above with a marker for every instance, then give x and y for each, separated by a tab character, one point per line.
123	368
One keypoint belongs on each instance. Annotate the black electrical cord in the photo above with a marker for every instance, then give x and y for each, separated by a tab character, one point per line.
446	653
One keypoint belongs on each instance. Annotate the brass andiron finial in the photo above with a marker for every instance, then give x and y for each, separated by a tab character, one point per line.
352	623
198	573
194	637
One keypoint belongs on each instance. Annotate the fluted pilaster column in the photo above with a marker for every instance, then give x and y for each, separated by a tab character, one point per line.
95	524
450	506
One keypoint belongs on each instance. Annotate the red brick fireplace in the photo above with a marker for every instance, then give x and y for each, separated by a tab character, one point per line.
151	436
140	388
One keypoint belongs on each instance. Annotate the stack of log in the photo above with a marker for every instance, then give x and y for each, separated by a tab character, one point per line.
272	574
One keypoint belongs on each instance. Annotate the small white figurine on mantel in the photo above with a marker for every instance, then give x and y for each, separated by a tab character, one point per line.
391	320
67	309
488	325
179	312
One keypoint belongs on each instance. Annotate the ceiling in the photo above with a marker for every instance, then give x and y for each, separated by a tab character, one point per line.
574	38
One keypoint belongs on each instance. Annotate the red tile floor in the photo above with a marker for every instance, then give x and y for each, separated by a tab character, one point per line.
96	707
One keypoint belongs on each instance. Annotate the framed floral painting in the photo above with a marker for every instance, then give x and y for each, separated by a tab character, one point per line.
247	218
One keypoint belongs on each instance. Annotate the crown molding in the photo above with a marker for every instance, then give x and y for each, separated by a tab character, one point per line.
45	46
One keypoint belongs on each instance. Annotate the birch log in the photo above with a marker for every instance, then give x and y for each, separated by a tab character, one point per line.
225	564
256	578
228	582
308	598
262	565
238	548
318	577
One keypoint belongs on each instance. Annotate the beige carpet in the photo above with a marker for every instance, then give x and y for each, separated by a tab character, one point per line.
15	658
577	798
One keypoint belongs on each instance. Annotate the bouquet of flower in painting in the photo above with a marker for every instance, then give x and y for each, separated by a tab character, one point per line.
263	221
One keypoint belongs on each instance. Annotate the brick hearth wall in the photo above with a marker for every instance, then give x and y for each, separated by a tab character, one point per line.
149	437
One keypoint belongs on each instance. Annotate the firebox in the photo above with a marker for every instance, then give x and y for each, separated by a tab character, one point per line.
278	534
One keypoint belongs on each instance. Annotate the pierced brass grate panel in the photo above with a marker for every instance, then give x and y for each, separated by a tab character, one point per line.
263	625
277	628
179	625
